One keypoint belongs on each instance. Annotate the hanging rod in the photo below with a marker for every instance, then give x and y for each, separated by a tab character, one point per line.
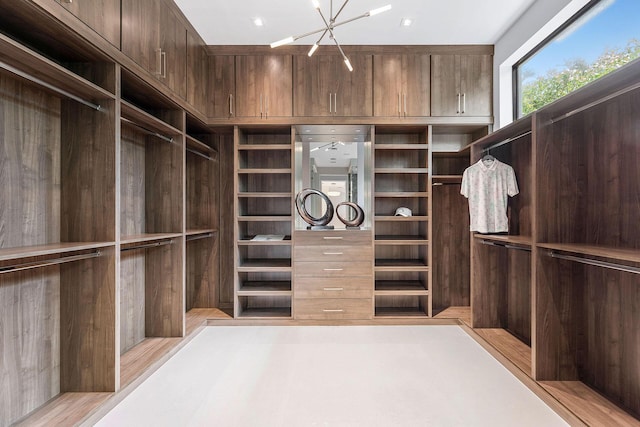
505	245
445	183
594	103
506	141
611	265
147	245
47	262
199	236
150	132
197	153
48	86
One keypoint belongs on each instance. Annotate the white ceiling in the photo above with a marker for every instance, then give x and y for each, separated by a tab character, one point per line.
435	21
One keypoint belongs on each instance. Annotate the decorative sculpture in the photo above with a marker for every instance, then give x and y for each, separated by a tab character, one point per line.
319	223
357	221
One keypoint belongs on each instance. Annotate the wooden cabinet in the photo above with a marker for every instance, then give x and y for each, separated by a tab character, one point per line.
333	276
263	86
153	37
198	89
221	102
461	85
325	87
103	16
401	85
402	252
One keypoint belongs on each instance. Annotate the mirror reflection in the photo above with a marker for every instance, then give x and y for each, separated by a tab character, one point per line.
334	159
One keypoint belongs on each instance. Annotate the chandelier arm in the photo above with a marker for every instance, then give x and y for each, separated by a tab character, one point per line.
333	18
364	15
310	33
322	36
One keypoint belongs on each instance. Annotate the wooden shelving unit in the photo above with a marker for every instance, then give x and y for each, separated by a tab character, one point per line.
263	206
401	244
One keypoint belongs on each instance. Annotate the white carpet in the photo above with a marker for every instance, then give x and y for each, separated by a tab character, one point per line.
332	376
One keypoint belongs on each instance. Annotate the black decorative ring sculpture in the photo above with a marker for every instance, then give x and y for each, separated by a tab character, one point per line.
357	221
301	198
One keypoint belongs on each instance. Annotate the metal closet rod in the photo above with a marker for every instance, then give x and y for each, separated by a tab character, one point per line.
148	131
506	141
148	245
445	183
505	245
199	236
197	153
611	265
47	262
49	86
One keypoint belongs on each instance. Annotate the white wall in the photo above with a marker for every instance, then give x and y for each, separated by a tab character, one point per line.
540	20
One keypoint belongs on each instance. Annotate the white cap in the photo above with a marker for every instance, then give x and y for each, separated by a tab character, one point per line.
402	211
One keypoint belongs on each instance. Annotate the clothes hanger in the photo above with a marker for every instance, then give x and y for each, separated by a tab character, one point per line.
487	156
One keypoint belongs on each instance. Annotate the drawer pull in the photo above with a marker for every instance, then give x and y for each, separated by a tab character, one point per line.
334	289
333	253
332	237
333	311
333	269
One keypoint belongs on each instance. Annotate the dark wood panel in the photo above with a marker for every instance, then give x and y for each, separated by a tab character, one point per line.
173	40
451	262
103	16
227	219
519	295
221	100
164	186
88	325
197	73
88	173
202	191
30	337
132	182
203	273
141	32
488	286
164	291
476	84
444	85
264	86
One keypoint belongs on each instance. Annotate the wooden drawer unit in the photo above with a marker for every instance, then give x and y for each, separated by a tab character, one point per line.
333	308
333	275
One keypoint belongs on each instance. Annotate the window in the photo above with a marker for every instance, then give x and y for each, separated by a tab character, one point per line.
602	37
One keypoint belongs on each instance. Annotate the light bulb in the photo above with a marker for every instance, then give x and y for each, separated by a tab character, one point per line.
282	42
313	49
380	10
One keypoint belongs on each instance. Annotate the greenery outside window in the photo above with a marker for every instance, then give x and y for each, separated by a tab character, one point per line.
602	37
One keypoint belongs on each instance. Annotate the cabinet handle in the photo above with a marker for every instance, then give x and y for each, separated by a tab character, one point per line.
260	105
330	111
266	106
458	110
404	98
332	237
332	253
399	105
334	289
333	269
464	102
231	104
159	62
335	103
163	55
326	310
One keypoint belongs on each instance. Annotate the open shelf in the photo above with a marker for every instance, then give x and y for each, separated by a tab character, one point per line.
266	264
147	237
399	312
400	265
265	171
396	194
398	218
401	170
266	312
199	145
264	195
402	146
400	287
263	147
265	218
400	240
142	118
197	232
446	179
524	241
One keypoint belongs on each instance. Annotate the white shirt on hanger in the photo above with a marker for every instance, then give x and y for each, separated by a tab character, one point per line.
487	184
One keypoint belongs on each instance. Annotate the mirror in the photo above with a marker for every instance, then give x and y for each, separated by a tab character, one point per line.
334	159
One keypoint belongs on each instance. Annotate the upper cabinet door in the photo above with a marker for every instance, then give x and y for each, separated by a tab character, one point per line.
401	85
263	86
141	33
222	87
103	16
476	84
197	73
154	38
325	87
461	85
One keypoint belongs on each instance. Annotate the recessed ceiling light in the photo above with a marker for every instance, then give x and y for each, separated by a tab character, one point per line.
258	22
406	22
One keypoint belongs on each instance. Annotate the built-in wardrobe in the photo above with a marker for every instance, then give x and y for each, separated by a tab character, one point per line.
558	295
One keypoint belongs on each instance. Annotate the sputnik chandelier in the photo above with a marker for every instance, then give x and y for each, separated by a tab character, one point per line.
329	27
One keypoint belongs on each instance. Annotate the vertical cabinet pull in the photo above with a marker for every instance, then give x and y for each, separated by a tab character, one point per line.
260	105
399	107
159	62
266	106
330	111
163	55
458	110
231	104
464	102
404	102
335	103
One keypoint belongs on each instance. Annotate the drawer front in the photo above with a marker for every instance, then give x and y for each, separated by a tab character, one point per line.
332	253
333	269
331	308
333	238
349	287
